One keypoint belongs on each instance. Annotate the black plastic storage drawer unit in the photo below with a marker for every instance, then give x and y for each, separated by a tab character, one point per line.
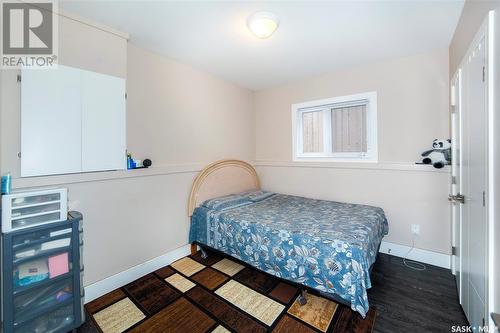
42	277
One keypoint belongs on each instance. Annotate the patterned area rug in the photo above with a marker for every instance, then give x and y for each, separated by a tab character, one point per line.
219	295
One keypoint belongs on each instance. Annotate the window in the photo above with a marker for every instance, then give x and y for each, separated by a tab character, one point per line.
336	129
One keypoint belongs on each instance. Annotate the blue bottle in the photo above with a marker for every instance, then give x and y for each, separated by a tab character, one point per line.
6	184
130	162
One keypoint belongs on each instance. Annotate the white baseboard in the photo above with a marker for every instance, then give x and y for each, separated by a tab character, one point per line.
118	280
425	256
113	282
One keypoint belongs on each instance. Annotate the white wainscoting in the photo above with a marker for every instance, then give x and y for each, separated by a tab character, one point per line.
427	257
118	280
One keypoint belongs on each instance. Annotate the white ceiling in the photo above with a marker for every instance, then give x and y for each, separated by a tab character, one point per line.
313	37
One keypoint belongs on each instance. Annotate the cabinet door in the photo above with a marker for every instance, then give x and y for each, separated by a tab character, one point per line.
50	121
103	122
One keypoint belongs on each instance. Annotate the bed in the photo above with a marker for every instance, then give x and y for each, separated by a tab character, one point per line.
325	245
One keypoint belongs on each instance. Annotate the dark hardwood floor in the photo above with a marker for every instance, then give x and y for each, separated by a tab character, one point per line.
413	301
406	300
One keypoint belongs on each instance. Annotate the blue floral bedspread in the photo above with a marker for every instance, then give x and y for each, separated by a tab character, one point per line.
325	245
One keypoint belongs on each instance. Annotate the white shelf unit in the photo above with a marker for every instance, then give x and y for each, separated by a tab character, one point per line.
26	209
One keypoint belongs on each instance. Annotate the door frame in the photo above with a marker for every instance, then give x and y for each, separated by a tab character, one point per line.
492	97
456	210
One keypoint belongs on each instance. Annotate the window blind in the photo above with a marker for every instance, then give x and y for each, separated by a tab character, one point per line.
349	132
312	131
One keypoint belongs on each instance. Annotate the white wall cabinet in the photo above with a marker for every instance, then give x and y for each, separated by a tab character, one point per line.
50	122
103	122
72	121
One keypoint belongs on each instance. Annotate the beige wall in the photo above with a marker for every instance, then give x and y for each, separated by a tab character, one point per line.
407	196
473	15
179	117
182	118
412	105
177	114
412	111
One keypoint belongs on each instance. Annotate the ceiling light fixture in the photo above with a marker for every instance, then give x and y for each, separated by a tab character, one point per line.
263	24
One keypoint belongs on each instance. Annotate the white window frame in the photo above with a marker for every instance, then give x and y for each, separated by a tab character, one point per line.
325	105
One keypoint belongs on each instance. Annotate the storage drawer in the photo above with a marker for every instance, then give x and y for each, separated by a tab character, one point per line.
82	308
82	288
39	248
42	298
29	272
25	240
30	208
34	199
81	257
41	278
31	221
59	320
42	209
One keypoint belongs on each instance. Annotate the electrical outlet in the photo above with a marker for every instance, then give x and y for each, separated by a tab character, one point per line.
415	229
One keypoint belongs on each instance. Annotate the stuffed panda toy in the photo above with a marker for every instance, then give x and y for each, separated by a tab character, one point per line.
439	155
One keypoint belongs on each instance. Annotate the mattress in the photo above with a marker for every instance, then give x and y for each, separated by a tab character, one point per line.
325	245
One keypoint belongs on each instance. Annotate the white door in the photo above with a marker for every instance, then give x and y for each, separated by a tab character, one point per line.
472	182
475	181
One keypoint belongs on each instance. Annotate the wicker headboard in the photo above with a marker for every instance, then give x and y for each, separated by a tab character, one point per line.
222	178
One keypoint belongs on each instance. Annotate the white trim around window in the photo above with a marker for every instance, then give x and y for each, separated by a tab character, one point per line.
326	105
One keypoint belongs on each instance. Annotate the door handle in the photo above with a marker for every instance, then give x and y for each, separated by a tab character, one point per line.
458	198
